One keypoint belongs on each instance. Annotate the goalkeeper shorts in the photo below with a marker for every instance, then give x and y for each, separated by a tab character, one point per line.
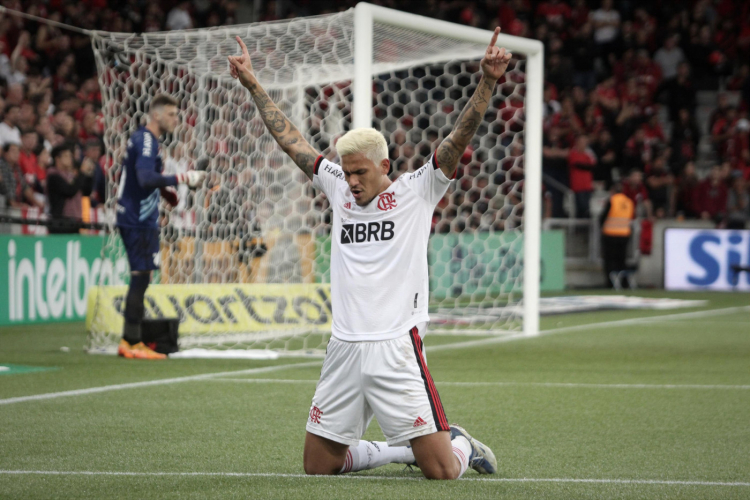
387	379
142	247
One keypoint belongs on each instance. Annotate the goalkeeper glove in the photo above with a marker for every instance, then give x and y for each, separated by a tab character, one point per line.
193	178
170	195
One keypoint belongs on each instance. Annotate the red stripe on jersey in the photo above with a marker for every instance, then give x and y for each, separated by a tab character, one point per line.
435	166
317	163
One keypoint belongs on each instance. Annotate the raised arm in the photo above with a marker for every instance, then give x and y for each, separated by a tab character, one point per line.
494	64
286	134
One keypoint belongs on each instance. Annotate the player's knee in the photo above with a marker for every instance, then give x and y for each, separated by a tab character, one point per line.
441	471
316	468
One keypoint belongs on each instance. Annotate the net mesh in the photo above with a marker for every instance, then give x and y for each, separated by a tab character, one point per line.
259	220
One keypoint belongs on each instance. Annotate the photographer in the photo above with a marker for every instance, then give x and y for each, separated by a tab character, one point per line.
66	185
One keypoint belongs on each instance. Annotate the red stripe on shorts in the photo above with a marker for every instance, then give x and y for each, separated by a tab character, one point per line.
438	413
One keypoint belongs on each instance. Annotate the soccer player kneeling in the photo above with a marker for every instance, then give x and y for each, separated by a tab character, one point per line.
375	362
141	186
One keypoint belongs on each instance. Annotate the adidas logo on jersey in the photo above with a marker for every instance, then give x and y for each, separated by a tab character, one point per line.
372	231
419	422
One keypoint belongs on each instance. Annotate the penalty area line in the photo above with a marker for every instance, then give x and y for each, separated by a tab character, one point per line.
664	482
150	383
589	326
566	385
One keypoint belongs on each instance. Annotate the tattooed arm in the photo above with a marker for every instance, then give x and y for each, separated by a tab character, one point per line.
493	64
286	134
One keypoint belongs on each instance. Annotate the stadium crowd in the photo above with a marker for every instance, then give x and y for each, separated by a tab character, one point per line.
620	95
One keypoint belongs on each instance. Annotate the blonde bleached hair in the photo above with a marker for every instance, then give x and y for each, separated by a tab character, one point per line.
367	141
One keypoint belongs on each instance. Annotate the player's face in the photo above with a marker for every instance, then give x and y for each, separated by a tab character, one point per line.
365	179
168	119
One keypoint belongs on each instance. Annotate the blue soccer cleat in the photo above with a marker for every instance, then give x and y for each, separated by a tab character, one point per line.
482	459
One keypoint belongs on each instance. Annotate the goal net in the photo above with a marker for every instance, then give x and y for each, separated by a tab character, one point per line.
245	259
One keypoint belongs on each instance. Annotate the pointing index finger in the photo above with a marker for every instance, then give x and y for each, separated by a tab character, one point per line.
494	37
242	46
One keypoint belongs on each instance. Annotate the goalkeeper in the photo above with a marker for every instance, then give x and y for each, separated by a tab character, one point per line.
375	363
141	186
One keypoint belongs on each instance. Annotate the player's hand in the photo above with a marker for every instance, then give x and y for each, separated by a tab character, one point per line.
496	59
170	195
193	178
240	66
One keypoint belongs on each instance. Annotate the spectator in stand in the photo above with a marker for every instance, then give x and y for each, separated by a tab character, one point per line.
738	147
93	151
634	189
581	165
606	21
607	154
555	165
647	72
678	92
720	111
583	51
179	17
554	12
738	203
705	58
723	131
551	105
637	152
35	176
568	121
687	195
669	57
65	189
607	96
13	70
17	193
9	132
559	67
740	80
659	182
685	139
712	196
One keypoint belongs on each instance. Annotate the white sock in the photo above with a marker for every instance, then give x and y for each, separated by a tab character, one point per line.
462	450
371	454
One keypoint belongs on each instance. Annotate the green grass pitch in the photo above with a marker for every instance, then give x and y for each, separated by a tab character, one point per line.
649	408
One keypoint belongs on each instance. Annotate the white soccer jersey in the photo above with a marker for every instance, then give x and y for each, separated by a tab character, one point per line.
379	277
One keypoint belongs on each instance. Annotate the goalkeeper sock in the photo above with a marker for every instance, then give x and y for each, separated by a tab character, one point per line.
462	451
134	307
371	454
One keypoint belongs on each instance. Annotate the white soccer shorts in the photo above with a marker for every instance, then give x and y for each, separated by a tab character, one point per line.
387	379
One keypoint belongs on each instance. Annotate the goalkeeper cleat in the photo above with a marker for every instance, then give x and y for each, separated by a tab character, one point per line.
124	350
137	351
142	351
482	459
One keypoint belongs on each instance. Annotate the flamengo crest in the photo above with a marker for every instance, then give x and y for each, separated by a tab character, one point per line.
386	201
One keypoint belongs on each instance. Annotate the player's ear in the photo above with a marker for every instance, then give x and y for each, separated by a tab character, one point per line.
385	165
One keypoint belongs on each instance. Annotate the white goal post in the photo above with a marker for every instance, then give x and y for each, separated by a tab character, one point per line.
365	15
245	260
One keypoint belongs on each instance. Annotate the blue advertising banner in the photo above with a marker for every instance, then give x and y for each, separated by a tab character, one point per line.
701	259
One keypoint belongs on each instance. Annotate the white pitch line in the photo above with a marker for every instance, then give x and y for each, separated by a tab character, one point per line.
149	383
571	385
459	345
665	482
589	326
